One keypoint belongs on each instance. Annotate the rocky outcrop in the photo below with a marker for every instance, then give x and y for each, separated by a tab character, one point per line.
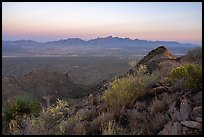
184	119
154	57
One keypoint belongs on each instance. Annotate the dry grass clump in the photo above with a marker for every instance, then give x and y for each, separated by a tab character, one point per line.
164	69
194	56
139	123
96	125
80	128
47	122
112	128
87	114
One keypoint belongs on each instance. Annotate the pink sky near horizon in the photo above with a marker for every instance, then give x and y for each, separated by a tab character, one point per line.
180	22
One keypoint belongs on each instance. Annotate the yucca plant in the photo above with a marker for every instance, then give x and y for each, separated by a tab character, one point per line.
19	106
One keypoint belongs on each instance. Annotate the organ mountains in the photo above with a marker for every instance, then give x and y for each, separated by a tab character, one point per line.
105	46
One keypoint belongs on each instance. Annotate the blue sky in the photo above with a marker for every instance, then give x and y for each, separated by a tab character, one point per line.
172	21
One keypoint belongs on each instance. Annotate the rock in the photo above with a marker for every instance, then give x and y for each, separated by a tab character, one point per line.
173	89
185	110
197	98
132	112
151	66
154	57
174	113
185	130
192	124
167	129
157	90
176	116
140	106
176	129
197	112
198	119
91	100
197	109
172	108
171	129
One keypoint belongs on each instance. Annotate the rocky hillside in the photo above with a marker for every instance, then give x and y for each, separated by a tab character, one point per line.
42	85
161	100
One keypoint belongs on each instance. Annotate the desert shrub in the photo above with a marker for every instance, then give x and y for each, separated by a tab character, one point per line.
54	113
132	63
122	91
157	106
157	122
80	128
112	128
17	107
194	55
139	123
187	76
86	114
95	127
107	129
50	121
68	126
142	70
164	69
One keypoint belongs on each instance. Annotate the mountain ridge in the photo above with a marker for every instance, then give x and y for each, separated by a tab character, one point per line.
98	38
101	46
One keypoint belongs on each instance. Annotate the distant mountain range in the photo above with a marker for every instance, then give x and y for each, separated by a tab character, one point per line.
105	46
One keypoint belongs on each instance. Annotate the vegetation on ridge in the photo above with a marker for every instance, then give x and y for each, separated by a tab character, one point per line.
136	104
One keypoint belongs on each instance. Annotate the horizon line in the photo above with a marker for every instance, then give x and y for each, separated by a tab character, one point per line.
103	37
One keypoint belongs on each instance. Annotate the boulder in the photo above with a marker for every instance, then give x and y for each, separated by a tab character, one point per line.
172	108
197	98
174	112
167	129
192	124
171	128
185	110
198	119
185	130
197	113
176	116
176	129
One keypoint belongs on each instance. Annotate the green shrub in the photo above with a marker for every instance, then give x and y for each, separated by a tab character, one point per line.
188	76
124	90
121	92
19	106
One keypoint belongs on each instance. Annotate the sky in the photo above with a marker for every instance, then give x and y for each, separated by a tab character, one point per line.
48	21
